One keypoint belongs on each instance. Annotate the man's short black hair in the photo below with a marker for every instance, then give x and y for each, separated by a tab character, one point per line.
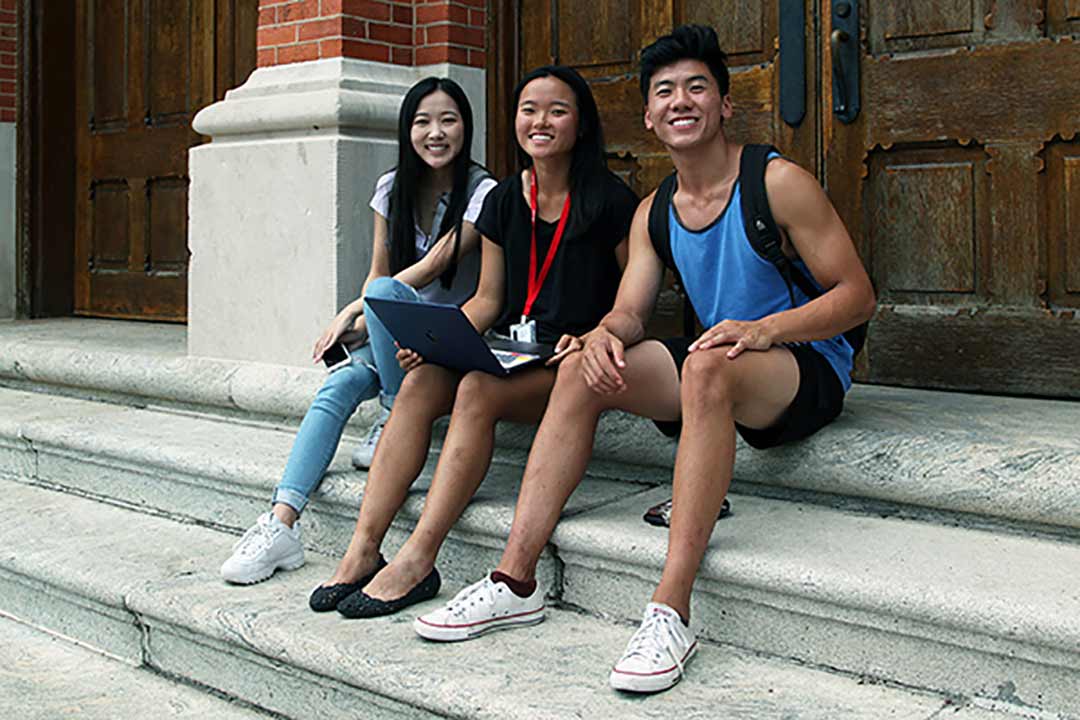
686	42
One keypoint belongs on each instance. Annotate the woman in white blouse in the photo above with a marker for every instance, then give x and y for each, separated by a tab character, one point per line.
425	248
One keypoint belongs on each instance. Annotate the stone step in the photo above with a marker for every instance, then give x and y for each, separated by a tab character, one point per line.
141	587
44	677
948	457
222	474
955	609
146	364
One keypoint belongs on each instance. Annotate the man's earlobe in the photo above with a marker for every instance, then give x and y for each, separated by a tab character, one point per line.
727	106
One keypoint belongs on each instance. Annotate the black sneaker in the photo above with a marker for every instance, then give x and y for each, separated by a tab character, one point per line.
660	515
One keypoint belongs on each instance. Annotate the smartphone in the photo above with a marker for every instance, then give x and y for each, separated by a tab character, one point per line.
336	356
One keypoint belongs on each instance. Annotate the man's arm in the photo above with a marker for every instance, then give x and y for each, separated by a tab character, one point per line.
805	214
625	324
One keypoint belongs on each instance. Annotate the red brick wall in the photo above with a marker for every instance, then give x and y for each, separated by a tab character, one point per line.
403	32
7	60
450	32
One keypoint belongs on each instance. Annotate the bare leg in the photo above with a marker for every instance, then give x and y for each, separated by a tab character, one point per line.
481	401
564	442
755	389
426	394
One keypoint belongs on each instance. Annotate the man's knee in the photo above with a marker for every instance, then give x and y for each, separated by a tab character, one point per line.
570	385
709	378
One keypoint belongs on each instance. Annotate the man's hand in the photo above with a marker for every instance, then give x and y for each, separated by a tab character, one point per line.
740	335
408	359
567	344
602	360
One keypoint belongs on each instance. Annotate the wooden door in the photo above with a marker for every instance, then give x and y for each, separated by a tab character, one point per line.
601	39
960	181
143	68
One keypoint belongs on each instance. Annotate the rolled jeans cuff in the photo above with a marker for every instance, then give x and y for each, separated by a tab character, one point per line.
293	499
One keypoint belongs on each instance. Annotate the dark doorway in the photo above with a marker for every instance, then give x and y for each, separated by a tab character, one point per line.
108	96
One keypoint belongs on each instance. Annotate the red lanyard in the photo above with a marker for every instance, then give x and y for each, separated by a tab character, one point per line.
537	281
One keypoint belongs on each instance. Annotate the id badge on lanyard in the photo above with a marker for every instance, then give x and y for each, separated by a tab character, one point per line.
525	331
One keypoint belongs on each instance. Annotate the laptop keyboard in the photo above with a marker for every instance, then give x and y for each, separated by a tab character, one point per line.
509	358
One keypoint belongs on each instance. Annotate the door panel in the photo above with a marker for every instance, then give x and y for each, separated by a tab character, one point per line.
566	32
143	68
961	196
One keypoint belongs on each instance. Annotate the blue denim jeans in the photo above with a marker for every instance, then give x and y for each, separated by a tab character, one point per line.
374	371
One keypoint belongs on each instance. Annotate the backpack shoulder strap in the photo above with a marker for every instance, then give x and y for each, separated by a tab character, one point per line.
761	228
661	242
764	235
658	220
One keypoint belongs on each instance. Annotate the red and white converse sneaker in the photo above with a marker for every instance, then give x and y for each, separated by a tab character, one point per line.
657	654
480	608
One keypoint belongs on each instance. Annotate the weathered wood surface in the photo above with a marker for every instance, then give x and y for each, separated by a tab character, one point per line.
1034	352
143	69
958	183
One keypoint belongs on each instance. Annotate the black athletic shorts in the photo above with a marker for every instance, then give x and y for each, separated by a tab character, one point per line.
818	401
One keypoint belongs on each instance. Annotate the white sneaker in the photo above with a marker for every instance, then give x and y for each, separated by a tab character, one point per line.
482	607
363	455
269	544
656	657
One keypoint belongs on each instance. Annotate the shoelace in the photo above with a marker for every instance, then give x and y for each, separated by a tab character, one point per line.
654	638
258	537
461	601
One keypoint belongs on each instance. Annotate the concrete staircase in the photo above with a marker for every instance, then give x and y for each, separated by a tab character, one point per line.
920	558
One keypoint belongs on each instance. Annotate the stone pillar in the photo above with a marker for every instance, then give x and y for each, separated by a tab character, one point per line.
7	160
280	231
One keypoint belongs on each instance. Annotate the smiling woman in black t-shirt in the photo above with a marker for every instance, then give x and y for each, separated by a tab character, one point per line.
566	200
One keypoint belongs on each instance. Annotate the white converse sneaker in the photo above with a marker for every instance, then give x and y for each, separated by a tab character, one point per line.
269	544
656	657
365	453
482	607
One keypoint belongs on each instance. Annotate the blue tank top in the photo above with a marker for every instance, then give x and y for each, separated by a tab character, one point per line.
726	280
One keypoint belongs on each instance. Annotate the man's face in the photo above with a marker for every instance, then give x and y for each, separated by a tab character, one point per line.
684	107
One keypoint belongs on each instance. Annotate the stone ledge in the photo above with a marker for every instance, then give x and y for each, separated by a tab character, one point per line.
1011	460
954	609
251	642
222	474
141	363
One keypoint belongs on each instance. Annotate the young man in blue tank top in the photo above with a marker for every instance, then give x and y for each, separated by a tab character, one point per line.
771	371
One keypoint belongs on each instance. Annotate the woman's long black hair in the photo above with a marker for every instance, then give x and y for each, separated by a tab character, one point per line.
410	172
588	166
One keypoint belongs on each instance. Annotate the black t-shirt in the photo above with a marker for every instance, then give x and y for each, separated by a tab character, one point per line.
580	287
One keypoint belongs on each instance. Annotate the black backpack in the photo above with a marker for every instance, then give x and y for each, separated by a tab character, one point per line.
761	230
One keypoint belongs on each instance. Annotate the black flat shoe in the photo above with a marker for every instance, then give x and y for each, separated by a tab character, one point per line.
326	597
361	605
